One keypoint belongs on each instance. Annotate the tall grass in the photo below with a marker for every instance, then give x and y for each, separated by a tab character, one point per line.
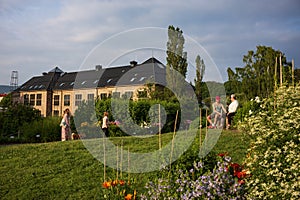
66	170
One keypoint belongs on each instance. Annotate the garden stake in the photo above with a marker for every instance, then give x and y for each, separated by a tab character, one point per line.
128	160
121	161
104	161
200	140
117	161
275	82
172	148
159	128
293	69
280	67
205	139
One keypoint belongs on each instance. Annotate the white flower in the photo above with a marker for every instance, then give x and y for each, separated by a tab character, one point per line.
257	99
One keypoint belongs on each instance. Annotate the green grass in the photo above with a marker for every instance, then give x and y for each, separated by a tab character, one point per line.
66	170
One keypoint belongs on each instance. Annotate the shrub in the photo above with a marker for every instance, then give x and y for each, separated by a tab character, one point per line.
274	155
249	108
44	130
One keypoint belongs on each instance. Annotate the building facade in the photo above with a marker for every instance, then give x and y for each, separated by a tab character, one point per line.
56	90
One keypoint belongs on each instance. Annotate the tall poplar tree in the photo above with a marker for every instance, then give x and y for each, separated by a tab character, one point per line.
176	58
200	69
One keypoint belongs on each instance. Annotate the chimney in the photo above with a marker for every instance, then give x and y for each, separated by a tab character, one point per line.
133	63
98	67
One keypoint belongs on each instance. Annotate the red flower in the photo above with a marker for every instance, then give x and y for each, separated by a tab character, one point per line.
121	182
114	183
241	182
106	184
223	154
241	174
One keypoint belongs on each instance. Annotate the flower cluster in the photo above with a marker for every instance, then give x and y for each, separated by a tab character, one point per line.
118	189
274	152
225	181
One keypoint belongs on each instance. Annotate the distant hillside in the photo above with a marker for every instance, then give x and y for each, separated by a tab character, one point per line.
5	89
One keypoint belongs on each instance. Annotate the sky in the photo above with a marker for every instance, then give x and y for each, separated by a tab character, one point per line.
37	35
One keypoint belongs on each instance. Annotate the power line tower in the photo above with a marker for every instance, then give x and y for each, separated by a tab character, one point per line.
14	80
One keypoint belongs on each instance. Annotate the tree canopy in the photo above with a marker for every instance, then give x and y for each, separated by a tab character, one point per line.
260	74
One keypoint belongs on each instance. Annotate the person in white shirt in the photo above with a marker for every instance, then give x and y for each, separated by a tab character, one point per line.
231	110
105	124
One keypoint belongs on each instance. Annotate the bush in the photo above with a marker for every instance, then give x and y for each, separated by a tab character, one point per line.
249	108
274	155
44	130
13	118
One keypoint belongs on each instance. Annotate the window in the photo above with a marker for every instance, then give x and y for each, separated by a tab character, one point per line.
32	99
103	95
116	94
56	113
109	80
78	98
38	99
26	99
56	100
67	100
90	97
128	95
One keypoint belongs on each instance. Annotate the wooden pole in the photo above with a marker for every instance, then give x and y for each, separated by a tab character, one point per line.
104	160
293	69
206	128
117	159
172	148
280	66
159	127
275	73
121	159
200	132
275	82
128	165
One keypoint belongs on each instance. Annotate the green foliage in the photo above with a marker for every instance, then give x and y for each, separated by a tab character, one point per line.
13	118
89	114
176	57
6	101
176	67
44	130
200	69
257	77
247	109
274	155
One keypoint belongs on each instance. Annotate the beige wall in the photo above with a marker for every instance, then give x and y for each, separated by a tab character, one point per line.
43	105
58	109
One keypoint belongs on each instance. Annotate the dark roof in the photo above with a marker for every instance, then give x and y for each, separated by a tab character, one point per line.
5	89
37	83
56	70
151	69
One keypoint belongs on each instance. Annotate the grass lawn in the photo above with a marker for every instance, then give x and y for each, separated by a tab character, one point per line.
66	170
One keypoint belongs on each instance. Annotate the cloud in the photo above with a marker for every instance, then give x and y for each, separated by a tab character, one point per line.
39	34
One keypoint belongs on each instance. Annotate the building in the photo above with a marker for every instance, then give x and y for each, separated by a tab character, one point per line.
5	90
56	90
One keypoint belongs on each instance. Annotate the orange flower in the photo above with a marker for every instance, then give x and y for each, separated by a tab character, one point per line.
128	197
121	182
106	184
114	183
